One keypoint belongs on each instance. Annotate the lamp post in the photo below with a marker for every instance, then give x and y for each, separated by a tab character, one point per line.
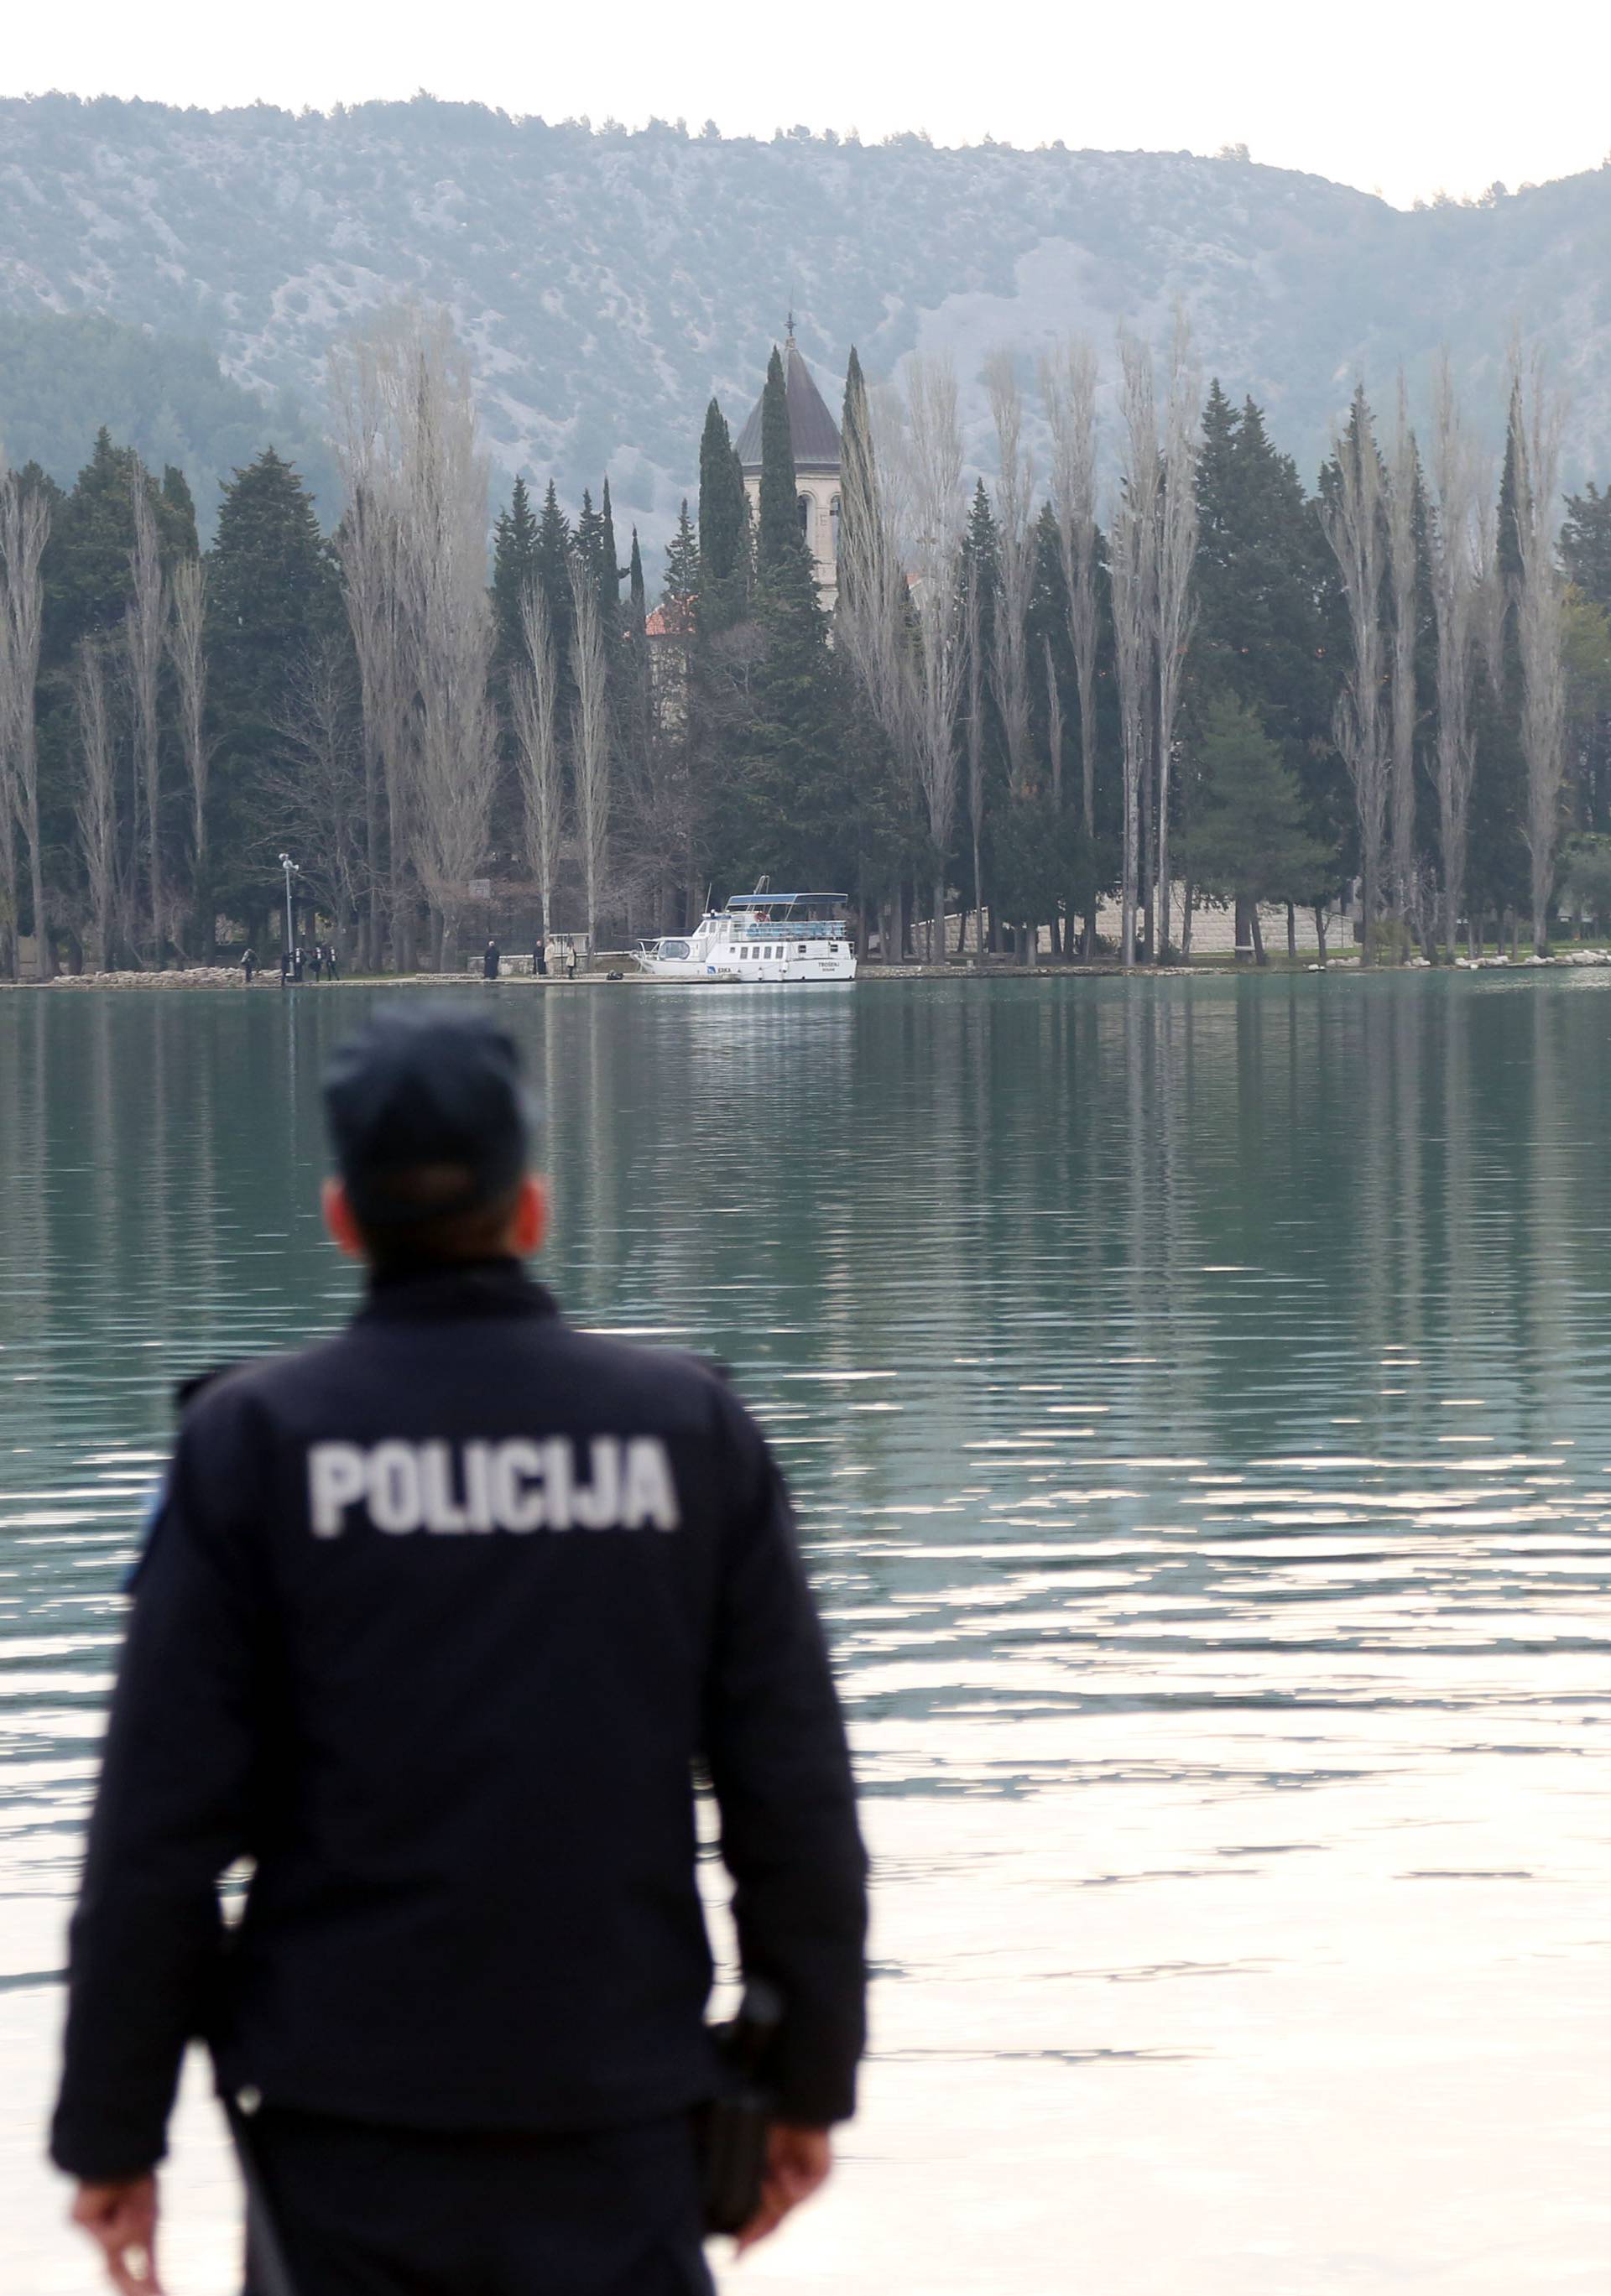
290	869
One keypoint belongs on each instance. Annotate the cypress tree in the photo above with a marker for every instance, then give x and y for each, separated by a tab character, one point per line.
795	803
635	658
609	569
181	505
779	542
723	527
1498	874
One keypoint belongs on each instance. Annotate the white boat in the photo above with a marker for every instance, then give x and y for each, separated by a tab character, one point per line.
759	937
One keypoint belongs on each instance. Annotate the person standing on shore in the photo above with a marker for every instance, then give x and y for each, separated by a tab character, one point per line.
539	960
284	966
249	962
435	1622
490	962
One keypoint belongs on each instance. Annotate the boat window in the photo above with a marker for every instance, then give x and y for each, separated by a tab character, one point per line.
802	948
674	948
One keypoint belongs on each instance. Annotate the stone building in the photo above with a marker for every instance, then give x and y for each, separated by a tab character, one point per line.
814	436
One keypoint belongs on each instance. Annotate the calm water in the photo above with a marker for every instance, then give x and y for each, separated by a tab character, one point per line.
1196	1398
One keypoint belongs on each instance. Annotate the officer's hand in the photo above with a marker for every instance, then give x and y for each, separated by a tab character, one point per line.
122	2218
798	2161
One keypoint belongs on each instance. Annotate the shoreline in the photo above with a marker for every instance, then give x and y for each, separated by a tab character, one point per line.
1576	958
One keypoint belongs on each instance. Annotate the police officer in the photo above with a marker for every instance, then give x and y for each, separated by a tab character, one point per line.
434	1622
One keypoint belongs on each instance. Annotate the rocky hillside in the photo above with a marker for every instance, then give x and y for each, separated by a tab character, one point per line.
609	282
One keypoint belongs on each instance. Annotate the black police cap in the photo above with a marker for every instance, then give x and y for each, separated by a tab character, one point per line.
427	1087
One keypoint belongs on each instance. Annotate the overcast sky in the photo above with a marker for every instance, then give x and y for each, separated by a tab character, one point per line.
1403	97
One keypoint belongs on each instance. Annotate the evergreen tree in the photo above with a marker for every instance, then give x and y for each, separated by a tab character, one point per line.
514	565
681	585
634	716
87	576
587	541
1261	577
1498	872
609	569
724	528
779	541
1248	839
551	558
1586	543
273	600
177	495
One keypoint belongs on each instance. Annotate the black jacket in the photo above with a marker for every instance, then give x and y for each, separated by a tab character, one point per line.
459	1747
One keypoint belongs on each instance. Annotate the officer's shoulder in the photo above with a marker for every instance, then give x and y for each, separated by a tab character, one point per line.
227	1392
676	1378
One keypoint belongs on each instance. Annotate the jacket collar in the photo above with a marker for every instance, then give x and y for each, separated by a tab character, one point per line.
474	1287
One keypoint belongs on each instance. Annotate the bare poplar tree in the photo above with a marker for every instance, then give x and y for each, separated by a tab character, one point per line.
1351	514
9	953
1401	572
442	499
590	744
534	706
1175	612
1456	549
872	620
1135	578
142	637
186	650
24	530
1540	629
313	791
366	375
1068	387
936	462
1054	723
973	725
96	807
1015	484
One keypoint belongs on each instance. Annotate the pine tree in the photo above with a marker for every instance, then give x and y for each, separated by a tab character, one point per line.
551	557
272	601
87	576
1586	543
681	585
515	564
1248	839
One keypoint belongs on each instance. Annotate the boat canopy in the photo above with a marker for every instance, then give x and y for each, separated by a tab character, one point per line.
787	900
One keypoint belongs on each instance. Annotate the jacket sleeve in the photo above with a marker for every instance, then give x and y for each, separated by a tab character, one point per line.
781	1769
169	1817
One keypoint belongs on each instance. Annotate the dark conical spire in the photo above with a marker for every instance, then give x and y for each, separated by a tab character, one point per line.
813	434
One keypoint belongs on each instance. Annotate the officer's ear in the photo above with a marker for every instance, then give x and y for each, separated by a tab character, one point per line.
530	1223
340	1224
